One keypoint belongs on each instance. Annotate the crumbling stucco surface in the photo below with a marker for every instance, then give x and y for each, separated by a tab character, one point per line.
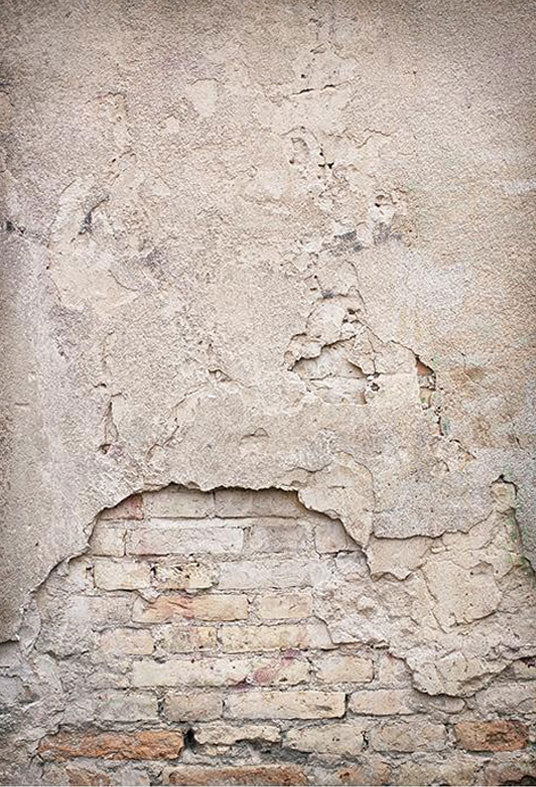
280	246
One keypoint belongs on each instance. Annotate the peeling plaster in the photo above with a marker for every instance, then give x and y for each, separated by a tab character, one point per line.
279	251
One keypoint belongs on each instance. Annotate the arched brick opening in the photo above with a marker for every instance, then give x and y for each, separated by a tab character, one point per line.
186	636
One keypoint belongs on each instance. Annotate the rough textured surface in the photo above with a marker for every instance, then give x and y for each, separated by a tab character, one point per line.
251	247
253	665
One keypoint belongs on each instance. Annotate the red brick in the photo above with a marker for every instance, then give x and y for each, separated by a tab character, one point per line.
142	745
239	774
500	735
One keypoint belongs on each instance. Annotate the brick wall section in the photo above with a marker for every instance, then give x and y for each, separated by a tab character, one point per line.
189	653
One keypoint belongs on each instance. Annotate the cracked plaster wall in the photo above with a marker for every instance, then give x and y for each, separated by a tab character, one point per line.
280	245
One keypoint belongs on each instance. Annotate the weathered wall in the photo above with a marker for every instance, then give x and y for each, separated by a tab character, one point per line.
236	637
279	246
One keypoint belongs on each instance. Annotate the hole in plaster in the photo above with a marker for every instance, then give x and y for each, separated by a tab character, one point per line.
185	605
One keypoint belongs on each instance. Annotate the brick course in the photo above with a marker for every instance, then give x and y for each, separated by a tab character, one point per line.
198	614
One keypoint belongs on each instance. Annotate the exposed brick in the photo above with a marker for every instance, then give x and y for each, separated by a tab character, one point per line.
518	697
88	776
330	536
220	733
392	671
455	769
236	639
169	539
414	735
175	575
139	745
328	738
524	669
293	605
288	670
236	774
108	539
176	639
343	668
515	768
125	642
499	735
263	502
77	775
277	535
117	705
255	704
131	508
121	574
177	501
219	671
276	573
109	610
111	676
381	702
370	770
193	706
205	607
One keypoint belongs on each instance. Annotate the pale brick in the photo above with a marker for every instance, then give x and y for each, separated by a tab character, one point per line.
125	642
175	575
507	698
104	679
297	604
228	775
109	610
220	733
220	671
168	539
330	536
343	738
276	637
369	770
263	502
121	574
111	676
176	639
206	607
393	671
194	706
276	573
138	745
131	508
499	735
271	671
199	524
277	535
126	706
108	539
455	769
414	735
176	501
524	669
343	668
255	704
382	702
